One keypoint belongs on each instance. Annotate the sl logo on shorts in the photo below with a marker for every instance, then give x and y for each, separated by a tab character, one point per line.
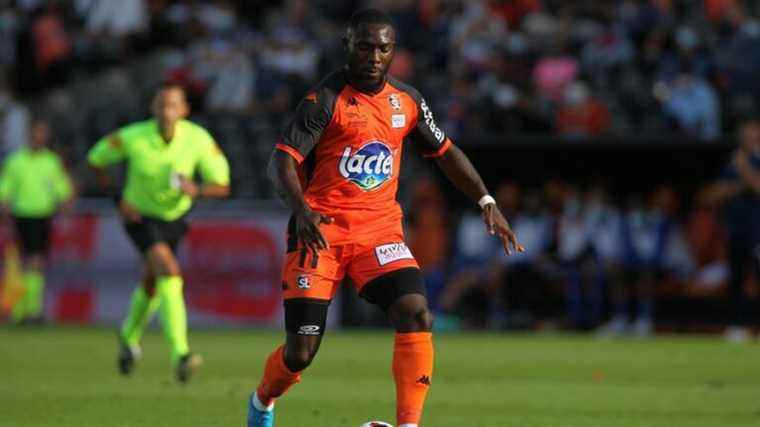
303	282
392	252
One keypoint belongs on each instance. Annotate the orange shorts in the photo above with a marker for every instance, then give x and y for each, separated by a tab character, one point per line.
307	276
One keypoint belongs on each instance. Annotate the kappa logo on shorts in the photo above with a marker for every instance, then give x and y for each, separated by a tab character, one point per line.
430	122
391	252
303	282
308	330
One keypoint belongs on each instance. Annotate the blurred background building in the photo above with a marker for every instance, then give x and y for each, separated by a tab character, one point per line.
599	124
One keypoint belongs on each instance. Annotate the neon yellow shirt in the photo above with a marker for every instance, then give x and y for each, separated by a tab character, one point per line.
153	165
34	183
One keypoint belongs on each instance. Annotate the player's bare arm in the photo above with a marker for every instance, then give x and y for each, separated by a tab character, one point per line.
460	171
205	190
284	175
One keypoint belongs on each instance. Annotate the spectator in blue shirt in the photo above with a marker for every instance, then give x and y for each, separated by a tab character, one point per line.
692	104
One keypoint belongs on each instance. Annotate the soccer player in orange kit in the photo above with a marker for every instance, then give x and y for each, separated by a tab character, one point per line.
336	167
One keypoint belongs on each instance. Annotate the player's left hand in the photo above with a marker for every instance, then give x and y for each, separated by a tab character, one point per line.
498	225
188	186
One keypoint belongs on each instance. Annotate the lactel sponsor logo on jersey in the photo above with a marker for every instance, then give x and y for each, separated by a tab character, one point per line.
369	166
392	252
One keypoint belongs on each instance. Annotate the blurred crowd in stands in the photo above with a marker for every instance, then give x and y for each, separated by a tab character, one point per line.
574	68
589	257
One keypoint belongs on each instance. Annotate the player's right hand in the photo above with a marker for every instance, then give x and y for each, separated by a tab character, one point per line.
307	229
498	225
128	212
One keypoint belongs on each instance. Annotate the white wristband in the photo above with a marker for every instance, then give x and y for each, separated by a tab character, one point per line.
485	201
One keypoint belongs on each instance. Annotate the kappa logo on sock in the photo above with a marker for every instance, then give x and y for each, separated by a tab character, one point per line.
425	380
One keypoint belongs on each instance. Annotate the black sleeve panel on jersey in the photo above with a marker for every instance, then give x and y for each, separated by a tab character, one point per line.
312	116
426	134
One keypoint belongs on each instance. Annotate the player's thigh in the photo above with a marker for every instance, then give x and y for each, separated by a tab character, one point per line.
309	283
384	273
161	260
143	234
33	235
149	237
312	277
173	232
305	324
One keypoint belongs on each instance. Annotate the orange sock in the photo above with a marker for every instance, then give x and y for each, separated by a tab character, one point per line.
412	370
277	378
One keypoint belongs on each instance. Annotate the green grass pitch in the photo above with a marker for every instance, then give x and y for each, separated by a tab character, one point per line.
67	378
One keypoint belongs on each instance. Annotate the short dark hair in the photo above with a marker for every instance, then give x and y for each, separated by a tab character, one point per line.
369	16
170	84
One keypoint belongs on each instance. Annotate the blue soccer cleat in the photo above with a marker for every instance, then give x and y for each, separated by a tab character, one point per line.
257	418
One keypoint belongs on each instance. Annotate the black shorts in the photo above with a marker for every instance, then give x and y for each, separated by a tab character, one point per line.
150	231
33	235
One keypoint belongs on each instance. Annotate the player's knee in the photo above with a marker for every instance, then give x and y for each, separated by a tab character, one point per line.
169	268
298	359
162	261
423	320
410	313
418	320
149	285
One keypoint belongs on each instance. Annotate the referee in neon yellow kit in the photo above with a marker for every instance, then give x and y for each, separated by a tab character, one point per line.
34	186
162	155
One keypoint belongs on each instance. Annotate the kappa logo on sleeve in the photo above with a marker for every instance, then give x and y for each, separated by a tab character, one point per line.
391	252
427	114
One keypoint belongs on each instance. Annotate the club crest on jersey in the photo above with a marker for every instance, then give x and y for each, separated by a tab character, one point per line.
395	101
368	167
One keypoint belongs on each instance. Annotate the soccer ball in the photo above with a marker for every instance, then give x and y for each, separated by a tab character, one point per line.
376	424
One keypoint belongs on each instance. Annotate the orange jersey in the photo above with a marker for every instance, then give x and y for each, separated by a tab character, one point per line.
349	143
